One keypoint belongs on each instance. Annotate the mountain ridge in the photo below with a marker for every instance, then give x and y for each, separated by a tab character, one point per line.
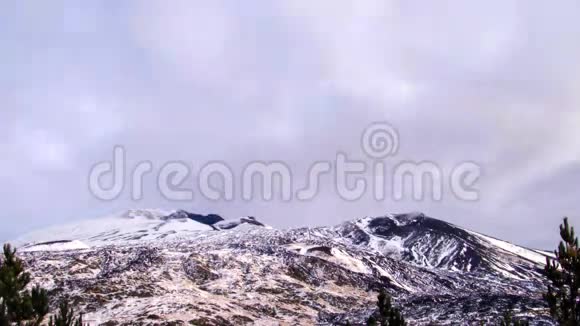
437	272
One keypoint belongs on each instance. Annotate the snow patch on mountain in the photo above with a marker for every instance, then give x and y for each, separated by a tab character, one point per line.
135	226
118	229
230	224
56	246
529	254
184	268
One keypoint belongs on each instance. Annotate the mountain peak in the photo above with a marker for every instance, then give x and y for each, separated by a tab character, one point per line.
132	226
209	219
409	218
426	264
429	242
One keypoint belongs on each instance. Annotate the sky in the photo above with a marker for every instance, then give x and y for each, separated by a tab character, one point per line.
496	83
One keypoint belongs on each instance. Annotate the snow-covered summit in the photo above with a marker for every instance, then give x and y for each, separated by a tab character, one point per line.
184	268
433	243
230	224
132	226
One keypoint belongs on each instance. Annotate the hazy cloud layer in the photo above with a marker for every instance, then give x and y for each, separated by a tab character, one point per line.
497	83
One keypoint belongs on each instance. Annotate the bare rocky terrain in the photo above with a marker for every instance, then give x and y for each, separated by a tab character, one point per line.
153	268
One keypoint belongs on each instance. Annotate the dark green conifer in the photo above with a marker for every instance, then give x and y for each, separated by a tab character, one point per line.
564	274
386	315
65	316
19	305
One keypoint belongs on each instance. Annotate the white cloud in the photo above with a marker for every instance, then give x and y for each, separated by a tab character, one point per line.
495	82
196	42
39	149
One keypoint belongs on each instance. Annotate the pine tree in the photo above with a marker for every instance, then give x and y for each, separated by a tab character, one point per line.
564	275
3	318
386	315
66	316
40	304
19	305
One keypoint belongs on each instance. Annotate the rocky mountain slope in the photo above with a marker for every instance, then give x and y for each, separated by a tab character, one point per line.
150	267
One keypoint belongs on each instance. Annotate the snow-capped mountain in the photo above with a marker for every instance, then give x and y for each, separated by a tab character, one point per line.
153	267
133	226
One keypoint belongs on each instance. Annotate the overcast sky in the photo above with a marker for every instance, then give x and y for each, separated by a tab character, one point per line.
497	83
